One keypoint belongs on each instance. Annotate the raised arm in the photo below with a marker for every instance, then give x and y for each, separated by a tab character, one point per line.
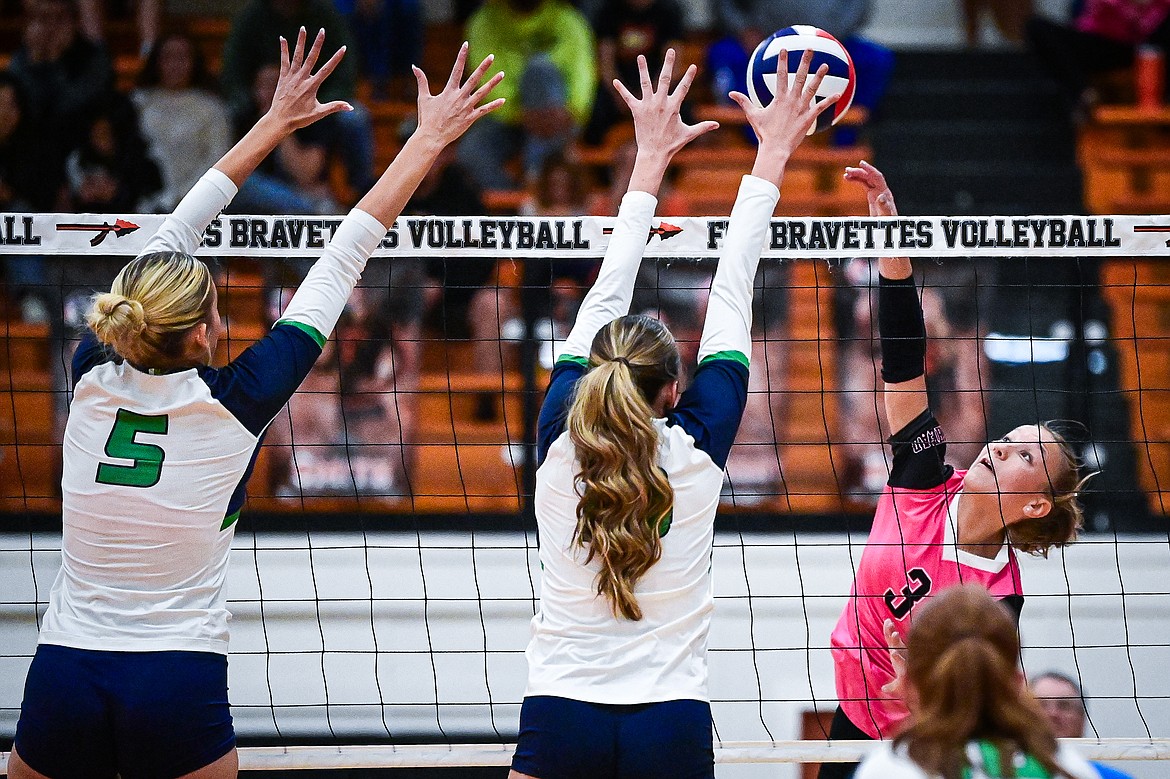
780	126
442	118
900	324
294	105
660	132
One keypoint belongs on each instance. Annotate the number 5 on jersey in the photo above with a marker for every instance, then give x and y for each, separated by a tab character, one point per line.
148	458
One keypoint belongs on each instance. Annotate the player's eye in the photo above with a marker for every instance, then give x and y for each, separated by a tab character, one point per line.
1027	456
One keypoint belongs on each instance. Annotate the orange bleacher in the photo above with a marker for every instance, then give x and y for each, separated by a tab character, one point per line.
1125	156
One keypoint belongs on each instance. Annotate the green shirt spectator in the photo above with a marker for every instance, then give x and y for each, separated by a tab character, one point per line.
551	27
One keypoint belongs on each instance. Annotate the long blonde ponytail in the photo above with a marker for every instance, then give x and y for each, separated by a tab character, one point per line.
625	494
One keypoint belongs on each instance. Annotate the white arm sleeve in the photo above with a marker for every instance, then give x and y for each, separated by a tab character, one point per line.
321	298
182	231
611	294
728	327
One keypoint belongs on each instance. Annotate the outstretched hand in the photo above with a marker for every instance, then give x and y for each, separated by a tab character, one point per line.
881	199
295	103
785	122
658	125
446	116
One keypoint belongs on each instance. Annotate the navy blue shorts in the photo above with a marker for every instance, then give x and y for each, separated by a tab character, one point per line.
562	738
141	715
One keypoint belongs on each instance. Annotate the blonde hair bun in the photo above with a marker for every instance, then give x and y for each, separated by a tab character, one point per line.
116	317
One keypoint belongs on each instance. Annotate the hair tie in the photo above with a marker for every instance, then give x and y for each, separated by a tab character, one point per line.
622	360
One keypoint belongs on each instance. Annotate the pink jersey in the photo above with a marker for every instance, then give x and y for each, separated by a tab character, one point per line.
911	554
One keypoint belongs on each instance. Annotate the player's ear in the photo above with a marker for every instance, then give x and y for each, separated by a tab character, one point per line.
197	340
1037	507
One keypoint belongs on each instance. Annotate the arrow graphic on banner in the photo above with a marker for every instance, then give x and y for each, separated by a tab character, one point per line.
1152	229
119	228
664	230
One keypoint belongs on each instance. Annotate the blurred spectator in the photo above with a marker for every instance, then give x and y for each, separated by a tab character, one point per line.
256	28
147	15
625	29
389	38
1010	17
745	23
64	75
295	179
31	179
109	171
546	48
30	176
1103	36
1064	704
184	122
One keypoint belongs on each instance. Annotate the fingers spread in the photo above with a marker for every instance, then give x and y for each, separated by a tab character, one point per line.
667	71
483	91
684	83
625	94
299	52
423	87
477	75
283	56
457	71
330	65
644	77
315	51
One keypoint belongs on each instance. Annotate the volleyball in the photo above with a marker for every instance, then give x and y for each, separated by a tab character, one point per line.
827	50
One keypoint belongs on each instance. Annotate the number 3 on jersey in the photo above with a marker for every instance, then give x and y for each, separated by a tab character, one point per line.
148	458
917	587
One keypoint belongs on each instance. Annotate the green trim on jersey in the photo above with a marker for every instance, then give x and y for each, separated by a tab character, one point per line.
730	354
312	332
992	765
582	361
229	520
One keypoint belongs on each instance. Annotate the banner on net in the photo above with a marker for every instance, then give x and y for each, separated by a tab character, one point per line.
581	236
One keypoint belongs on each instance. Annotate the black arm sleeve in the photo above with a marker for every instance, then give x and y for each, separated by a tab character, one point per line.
903	333
920	450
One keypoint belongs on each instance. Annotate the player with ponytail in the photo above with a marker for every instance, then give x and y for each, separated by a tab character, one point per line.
630	472
130	673
971	713
935	526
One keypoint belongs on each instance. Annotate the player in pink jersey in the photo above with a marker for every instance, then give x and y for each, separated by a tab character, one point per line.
935	526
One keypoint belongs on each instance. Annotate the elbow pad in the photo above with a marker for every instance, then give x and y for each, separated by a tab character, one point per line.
902	331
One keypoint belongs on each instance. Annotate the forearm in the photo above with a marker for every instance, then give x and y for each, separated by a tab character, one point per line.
182	231
728	326
611	294
322	296
393	190
260	141
903	346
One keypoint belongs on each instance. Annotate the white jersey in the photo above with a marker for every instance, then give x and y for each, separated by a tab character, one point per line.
155	466
579	649
889	762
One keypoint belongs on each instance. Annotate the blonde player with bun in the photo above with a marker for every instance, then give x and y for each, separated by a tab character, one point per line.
971	715
630	471
130	674
935	526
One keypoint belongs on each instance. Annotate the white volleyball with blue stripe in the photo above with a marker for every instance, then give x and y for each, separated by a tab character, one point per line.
827	50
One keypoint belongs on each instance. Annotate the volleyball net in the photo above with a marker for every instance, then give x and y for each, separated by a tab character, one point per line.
384	569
